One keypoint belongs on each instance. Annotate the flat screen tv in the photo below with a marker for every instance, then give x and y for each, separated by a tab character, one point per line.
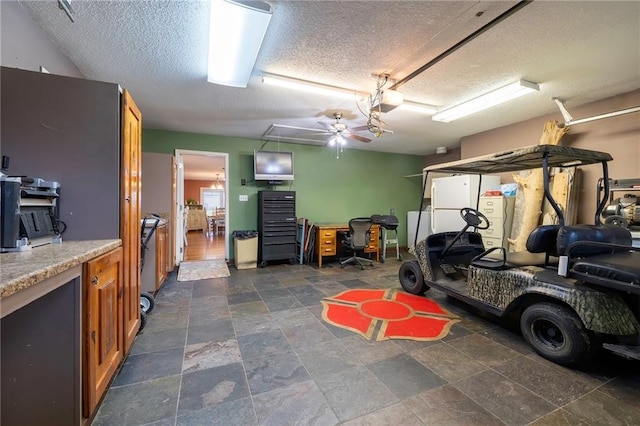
272	165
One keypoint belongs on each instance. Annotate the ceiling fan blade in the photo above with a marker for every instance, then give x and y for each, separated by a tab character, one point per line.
357	138
318	133
328	126
359	128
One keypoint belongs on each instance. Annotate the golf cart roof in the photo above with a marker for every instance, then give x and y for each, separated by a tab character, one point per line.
529	157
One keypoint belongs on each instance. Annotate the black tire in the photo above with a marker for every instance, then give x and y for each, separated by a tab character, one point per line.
616	220
556	333
411	278
147	302
143	321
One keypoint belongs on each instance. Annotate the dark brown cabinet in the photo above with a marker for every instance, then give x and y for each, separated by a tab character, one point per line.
277	227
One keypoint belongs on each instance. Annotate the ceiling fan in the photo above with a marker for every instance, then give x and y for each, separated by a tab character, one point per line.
339	131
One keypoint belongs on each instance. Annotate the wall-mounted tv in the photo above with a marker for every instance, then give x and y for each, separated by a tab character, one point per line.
272	165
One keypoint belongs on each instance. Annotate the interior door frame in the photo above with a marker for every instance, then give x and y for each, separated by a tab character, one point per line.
179	207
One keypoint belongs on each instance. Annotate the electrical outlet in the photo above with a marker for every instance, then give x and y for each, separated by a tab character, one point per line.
244	198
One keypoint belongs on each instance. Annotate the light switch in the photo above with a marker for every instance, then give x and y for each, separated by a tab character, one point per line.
244	198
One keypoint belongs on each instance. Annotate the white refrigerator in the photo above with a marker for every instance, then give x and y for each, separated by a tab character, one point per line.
450	194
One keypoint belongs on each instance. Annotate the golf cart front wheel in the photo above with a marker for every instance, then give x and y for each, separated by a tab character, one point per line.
411	278
556	333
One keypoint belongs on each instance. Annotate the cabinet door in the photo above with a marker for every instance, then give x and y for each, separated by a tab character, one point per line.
130	216
102	325
161	255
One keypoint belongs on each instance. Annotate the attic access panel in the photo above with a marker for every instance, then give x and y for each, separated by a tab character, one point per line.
301	135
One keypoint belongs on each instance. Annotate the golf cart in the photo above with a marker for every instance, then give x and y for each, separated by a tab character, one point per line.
575	290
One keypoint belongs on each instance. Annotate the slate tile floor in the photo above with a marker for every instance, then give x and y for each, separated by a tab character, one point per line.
252	349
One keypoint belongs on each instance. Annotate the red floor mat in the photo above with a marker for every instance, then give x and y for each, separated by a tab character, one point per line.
388	314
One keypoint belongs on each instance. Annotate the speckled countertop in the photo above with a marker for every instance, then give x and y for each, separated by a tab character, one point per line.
21	270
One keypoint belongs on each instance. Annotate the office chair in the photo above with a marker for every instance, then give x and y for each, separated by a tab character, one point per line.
357	240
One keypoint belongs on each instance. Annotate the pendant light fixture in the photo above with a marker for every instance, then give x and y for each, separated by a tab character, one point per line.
217	184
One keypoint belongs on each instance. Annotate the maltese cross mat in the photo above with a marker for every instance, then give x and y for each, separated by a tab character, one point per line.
388	314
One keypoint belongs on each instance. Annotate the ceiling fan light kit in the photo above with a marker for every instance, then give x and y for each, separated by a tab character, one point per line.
488	100
236	31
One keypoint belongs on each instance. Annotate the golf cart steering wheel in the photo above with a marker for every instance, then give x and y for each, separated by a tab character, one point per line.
472	218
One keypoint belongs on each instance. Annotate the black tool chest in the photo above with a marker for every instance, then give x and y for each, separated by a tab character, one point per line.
276	226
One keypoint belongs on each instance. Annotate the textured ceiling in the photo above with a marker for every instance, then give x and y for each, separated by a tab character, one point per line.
577	51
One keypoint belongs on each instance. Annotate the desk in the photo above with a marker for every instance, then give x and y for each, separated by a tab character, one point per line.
327	240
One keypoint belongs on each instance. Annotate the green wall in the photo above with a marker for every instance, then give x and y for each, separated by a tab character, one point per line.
328	190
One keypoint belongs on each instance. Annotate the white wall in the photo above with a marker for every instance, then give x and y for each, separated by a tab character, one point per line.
24	45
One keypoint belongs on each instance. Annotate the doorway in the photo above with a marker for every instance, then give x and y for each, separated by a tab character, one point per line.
201	205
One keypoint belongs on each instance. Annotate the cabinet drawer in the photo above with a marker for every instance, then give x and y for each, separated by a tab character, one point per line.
278	196
493	205
495	230
278	239
279	208
279	251
279	218
491	242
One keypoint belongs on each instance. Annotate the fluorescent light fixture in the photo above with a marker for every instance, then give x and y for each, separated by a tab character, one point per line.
488	100
309	87
236	31
390	97
416	107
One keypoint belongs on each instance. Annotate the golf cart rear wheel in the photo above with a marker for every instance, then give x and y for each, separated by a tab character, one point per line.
556	333
147	302
411	278
143	321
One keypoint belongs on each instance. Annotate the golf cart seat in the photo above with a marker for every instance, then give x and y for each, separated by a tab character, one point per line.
601	256
589	240
541	244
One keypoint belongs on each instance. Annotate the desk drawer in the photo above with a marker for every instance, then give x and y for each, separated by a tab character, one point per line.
326	234
328	250
327	242
374	238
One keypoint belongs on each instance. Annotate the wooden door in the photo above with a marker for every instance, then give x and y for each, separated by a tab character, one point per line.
102	333
130	215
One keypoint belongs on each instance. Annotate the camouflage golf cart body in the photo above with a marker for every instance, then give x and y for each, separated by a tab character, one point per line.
575	290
